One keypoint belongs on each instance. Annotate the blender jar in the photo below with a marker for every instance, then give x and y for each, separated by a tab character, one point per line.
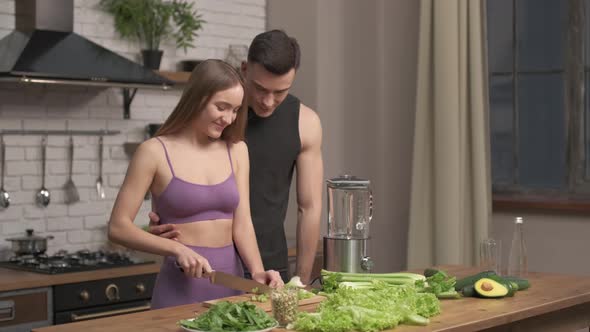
350	205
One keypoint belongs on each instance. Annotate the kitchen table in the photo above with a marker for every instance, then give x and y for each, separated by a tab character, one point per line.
555	302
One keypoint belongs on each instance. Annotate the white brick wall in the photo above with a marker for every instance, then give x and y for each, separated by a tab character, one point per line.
82	225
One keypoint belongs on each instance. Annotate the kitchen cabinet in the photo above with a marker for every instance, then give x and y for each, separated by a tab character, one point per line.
22	310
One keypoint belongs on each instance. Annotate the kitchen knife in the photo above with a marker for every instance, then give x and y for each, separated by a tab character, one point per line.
238	283
235	282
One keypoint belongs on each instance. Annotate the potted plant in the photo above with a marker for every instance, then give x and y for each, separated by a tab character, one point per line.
151	21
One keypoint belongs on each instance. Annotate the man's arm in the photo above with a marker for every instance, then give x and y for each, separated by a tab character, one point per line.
310	173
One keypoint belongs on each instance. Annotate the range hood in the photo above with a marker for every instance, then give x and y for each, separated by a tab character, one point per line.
44	49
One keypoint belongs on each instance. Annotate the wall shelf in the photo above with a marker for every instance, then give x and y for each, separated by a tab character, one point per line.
178	77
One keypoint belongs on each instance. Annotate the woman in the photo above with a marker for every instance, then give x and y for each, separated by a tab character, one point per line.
197	171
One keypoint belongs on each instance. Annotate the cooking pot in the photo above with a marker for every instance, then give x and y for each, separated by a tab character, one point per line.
29	244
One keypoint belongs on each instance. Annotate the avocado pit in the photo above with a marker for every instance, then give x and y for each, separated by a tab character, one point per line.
486	286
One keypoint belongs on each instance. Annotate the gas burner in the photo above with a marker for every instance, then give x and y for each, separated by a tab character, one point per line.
29	260
60	254
104	260
63	262
42	257
88	261
15	259
43	266
59	264
83	252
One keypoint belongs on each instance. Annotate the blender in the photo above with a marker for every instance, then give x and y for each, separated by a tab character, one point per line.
350	210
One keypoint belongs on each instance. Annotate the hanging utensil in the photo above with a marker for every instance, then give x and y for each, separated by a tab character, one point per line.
99	185
71	192
43	196
4	196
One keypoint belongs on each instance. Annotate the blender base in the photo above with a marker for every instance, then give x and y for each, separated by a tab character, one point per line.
346	255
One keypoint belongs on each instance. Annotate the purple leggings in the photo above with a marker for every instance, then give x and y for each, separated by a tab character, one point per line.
174	288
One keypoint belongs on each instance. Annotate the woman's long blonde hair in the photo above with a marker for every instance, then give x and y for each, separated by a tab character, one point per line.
208	78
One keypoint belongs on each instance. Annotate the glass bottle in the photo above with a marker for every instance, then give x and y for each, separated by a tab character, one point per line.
517	260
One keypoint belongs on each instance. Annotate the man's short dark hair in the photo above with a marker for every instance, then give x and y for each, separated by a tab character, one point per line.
275	51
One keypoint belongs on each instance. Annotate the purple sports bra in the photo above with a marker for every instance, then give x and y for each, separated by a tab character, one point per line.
184	202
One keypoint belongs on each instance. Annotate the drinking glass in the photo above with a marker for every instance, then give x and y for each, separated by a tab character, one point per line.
490	251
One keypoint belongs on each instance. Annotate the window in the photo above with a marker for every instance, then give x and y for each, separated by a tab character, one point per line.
539	66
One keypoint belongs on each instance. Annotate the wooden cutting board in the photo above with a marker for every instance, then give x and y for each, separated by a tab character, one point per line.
266	306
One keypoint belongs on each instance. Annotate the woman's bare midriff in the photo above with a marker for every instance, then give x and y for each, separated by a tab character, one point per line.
206	233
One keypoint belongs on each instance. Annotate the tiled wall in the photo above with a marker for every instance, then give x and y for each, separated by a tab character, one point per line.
82	225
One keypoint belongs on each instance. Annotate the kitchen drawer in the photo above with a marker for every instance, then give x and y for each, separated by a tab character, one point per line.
23	310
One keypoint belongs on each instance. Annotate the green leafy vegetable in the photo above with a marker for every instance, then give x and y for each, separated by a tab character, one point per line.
260	298
382	307
227	316
303	294
439	284
331	281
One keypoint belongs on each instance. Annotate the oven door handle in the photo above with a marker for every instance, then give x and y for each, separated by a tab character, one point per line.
77	318
6	310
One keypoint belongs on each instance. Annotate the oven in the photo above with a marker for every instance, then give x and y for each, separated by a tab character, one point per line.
76	301
102	298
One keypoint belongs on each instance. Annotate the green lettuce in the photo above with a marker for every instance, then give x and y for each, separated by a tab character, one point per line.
382	307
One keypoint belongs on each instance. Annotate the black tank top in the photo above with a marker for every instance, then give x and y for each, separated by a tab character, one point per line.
273	146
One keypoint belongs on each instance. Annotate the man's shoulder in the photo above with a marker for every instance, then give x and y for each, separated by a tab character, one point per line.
308	117
310	127
304	111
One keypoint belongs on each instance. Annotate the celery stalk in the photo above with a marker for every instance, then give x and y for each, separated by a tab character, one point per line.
349	276
390	280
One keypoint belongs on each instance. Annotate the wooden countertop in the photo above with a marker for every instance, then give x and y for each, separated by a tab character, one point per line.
549	294
14	279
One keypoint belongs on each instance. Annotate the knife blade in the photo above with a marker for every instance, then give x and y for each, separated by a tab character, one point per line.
238	283
234	282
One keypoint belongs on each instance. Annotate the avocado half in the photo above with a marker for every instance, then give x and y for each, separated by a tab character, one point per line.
486	287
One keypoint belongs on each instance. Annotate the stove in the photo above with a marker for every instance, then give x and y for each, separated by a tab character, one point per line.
66	262
87	299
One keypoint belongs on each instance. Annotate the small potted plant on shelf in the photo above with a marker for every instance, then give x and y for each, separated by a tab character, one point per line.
151	21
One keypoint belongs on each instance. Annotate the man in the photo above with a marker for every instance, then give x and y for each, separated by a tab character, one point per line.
282	135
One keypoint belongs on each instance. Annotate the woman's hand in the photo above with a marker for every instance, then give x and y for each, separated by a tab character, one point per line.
192	264
270	277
